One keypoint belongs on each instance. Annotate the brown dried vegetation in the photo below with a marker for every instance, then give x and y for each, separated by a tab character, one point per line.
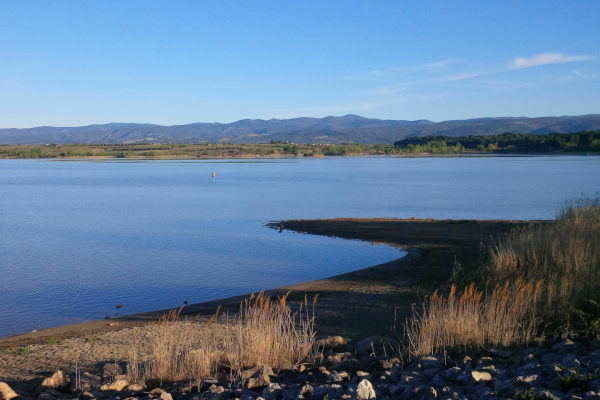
539	274
263	332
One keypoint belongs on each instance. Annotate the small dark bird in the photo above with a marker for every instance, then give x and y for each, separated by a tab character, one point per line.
119	305
185	302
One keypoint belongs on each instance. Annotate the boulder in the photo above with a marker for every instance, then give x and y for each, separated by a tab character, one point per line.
85	382
134	387
117	385
272	392
166	396
365	390
430	362
110	370
258	377
479	376
306	390
332	342
58	381
368	345
6	393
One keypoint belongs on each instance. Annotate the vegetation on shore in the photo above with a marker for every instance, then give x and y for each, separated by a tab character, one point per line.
508	143
263	332
580	142
538	280
194	151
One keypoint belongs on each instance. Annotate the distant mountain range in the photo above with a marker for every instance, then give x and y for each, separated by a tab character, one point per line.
346	129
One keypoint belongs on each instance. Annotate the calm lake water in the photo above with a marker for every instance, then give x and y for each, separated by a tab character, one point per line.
79	237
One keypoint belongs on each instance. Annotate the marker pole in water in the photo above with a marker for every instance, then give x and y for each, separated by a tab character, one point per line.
213	175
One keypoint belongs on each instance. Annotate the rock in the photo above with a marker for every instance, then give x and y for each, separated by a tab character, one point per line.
438	382
451	373
58	381
272	392
365	390
258	377
46	396
306	390
332	342
166	396
117	386
564	346
430	362
429	373
363	374
571	361
214	392
484	361
420	393
526	380
479	376
549	395
110	370
135	387
502	353
467	361
85	382
505	387
368	345
6	393
336	377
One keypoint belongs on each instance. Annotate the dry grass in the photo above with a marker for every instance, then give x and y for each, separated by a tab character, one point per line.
540	275
470	320
263	332
565	255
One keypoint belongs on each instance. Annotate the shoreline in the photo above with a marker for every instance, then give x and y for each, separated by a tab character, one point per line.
378	292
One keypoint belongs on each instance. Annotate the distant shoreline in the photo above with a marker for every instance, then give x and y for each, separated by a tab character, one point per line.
203	151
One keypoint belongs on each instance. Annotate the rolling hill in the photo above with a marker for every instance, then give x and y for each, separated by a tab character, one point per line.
345	129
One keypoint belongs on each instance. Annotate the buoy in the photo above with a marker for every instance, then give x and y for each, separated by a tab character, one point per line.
213	174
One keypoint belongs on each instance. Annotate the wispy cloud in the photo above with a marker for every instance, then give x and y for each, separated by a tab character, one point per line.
464	75
545	59
391	72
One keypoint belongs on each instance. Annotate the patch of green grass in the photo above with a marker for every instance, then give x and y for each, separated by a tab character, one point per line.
24	350
54	340
526	395
575	379
91	339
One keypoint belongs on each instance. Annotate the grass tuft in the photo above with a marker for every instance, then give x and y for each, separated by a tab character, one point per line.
263	332
543	275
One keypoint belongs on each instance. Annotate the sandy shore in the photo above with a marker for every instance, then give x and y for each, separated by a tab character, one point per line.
345	301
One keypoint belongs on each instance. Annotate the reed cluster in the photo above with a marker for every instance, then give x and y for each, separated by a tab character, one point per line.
263	332
541	276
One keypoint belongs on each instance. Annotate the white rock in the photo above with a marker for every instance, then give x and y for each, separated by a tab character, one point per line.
479	376
365	390
116	385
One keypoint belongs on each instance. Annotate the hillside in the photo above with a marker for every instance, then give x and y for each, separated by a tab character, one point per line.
346	129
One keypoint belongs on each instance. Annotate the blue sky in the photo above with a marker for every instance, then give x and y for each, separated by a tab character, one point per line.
68	63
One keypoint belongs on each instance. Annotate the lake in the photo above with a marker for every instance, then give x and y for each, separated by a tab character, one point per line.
79	237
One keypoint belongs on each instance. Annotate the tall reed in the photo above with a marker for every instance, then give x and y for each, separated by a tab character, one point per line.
263	332
540	274
470	319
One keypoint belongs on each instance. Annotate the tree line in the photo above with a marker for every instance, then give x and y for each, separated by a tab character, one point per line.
580	142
